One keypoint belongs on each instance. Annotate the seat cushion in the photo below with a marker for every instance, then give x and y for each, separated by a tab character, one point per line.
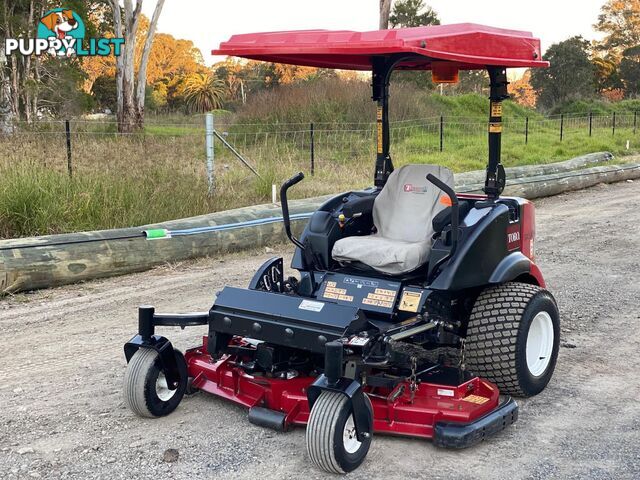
402	214
385	255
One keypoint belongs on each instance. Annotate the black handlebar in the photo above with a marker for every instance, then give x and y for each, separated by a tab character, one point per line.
286	185
455	207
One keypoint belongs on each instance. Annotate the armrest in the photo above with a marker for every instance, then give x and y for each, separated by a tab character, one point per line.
362	205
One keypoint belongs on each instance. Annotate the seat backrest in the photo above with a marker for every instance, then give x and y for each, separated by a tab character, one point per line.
408	202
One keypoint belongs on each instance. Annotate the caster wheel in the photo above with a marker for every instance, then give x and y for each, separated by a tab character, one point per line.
146	391
332	444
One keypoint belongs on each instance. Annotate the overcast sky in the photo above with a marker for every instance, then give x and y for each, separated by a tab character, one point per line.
209	22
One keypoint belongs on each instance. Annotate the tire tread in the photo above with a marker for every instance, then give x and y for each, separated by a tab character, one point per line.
490	345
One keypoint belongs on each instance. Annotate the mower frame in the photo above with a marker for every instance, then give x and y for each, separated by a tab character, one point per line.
342	340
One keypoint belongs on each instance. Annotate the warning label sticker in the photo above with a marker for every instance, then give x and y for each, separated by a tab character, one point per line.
410	301
477	399
311	305
495	127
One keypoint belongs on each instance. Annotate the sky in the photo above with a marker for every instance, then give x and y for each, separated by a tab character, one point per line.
209	22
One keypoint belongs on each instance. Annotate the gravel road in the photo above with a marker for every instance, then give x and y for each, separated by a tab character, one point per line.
62	416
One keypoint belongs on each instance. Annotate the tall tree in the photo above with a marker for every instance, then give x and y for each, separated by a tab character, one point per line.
130	96
385	8
619	20
203	92
412	13
571	74
6	113
630	71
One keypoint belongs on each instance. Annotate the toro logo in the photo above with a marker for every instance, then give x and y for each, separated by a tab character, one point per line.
513	237
409	188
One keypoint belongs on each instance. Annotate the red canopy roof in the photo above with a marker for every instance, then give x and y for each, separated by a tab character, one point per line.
471	46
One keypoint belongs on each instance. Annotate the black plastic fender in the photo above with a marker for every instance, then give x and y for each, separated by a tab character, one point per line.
269	277
510	268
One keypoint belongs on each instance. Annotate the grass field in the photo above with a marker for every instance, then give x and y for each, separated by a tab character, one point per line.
160	174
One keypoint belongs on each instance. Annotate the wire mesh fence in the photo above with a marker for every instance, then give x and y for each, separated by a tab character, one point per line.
81	145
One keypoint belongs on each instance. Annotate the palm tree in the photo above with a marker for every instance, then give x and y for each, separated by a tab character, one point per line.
203	92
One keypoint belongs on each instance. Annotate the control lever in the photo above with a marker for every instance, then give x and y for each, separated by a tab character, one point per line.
297	178
455	209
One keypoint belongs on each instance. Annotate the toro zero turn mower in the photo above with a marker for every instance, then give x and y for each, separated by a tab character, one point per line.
415	308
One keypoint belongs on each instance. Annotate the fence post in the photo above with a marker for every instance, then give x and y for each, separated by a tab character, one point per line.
441	132
208	133
67	129
561	126
590	123
613	126
635	121
312	148
526	130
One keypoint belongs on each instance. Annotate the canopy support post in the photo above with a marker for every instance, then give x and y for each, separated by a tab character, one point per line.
381	74
495	180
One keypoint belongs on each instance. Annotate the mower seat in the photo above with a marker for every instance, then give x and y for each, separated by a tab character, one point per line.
402	214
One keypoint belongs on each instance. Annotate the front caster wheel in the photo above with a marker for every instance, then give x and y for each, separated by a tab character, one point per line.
332	444
146	391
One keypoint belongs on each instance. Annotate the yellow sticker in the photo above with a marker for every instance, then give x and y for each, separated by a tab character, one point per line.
495	127
333	296
345	298
496	109
379	114
331	284
410	301
379	137
477	399
382	291
376	303
339	291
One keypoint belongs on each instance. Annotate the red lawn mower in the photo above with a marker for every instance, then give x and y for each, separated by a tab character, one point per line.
414	309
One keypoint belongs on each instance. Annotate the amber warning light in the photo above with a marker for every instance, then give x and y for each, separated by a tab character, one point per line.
444	72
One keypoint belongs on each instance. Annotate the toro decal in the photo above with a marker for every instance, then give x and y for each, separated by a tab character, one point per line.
513	237
409	188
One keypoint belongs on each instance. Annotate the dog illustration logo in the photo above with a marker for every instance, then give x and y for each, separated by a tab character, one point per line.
64	25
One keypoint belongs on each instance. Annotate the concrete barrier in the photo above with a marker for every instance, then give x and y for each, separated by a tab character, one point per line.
52	260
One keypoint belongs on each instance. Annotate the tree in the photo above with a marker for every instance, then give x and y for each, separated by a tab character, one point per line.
619	20
203	92
630	71
131	96
570	76
104	92
522	92
385	8
170	56
607	74
412	13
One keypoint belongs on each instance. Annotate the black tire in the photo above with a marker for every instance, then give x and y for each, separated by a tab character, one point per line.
325	444
496	342
140	380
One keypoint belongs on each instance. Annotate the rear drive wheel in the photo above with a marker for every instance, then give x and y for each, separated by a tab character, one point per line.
331	434
513	338
146	391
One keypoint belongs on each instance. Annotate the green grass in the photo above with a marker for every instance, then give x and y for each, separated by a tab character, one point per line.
122	181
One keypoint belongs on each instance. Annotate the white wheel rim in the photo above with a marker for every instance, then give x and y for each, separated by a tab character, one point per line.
162	388
349	439
539	343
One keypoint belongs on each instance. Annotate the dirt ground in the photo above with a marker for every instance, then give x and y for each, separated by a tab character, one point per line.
62	416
